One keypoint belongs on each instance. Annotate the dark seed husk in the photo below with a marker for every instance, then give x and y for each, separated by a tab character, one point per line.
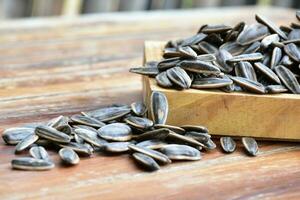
160	134
138	108
208	48
268	40
292	51
184	139
27	163
116	147
179	77
254	47
209	145
246	57
219	28
152	144
233	48
181	152
187	52
159	107
58	121
195	39
152	153
39	152
85	120
276	57
288	79
168	63
211	82
228	145
273	27
109	113
118	132
90	137
197	128
200	137
222	57
199	67
267	72
68	156
146	161
250	85
152	71
245	69
15	135
26	142
176	129
252	33
139	122
52	134
250	146
206	57
79	148
163	80
275	89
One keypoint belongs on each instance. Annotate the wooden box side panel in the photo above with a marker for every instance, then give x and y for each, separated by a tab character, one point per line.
236	114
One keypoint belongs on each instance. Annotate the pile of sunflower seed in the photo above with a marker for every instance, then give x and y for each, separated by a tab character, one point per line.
259	58
114	130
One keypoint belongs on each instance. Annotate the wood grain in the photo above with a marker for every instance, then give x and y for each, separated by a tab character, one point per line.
235	114
50	67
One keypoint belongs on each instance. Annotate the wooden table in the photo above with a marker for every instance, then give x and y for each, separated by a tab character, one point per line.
50	67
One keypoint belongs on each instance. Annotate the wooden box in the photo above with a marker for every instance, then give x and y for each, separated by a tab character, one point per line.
235	114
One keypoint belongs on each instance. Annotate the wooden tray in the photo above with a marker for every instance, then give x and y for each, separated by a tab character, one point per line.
235	114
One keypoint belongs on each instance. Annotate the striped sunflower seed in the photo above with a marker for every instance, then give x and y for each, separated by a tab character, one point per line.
52	134
27	163
179	77
180	152
159	107
118	132
146	161
250	146
39	152
26	142
288	79
69	156
228	145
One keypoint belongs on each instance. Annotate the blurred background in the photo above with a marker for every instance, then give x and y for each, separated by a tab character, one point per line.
42	8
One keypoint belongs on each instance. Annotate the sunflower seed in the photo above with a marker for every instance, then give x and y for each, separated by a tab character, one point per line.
79	148
208	48
138	108
233	48
200	137
52	134
109	113
152	144
270	25
206	57
145	70
267	72
116	147
276	57
68	156
118	132
139	122
205	83
250	85
159	107
26	142
222	56
209	145
252	33
90	137
292	51
152	153
27	163
146	161
288	79
268	40
245	69
275	89
181	152
15	135
219	28
195	39
254	47
176	129
85	120
228	145
161	134
163	80
57	121
184	139
199	67
187	52
250	146
168	63
197	128
179	77
39	152
246	57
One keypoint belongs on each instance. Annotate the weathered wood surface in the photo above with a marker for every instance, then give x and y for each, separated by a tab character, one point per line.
62	66
224	113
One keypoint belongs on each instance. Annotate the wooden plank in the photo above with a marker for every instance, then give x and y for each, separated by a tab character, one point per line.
55	66
235	114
